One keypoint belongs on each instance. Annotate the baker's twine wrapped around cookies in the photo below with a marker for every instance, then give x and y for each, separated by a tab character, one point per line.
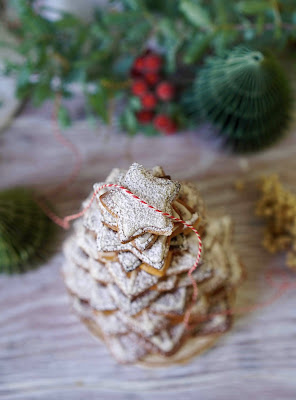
282	288
65	223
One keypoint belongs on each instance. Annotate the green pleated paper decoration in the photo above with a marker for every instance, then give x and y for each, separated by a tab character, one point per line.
246	95
26	233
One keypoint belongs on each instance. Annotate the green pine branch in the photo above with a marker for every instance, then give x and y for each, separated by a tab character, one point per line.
59	53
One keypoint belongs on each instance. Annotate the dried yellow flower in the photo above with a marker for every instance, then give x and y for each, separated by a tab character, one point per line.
278	206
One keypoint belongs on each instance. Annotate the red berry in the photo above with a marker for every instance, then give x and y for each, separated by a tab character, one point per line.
165	91
135	73
139	88
165	124
152	62
149	101
152	78
139	64
145	116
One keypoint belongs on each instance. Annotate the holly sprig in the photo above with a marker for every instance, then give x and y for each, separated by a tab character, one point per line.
57	55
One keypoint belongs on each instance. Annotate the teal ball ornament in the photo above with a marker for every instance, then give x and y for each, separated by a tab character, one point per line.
245	93
26	233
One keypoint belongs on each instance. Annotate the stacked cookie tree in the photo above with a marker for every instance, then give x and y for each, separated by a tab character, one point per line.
127	269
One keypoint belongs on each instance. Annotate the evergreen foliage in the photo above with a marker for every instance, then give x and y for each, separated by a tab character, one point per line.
26	233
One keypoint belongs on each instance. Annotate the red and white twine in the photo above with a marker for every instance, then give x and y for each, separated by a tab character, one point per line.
64	223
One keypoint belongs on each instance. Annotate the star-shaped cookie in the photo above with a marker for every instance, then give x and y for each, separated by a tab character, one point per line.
155	256
132	284
135	218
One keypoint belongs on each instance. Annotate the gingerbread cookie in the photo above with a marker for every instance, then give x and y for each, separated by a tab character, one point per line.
128	306
145	323
131	284
154	256
129	261
135	218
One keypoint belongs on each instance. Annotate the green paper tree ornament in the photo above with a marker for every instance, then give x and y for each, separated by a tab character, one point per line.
26	233
246	95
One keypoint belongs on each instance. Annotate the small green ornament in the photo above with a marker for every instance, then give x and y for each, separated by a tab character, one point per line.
26	232
246	95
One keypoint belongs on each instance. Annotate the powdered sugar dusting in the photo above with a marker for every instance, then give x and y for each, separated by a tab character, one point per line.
173	302
131	307
135	290
133	284
135	218
129	261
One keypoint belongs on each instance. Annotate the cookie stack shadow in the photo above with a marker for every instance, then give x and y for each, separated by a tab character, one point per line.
126	269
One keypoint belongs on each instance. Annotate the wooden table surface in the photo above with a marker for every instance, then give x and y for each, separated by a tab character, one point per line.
46	353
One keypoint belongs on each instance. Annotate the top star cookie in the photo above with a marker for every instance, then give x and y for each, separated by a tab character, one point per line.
135	218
